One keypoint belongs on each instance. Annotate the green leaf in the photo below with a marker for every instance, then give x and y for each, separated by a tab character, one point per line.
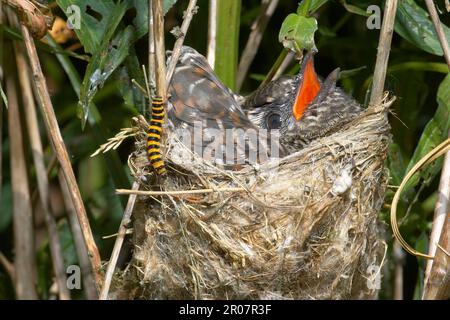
132	96
307	7
303	8
434	133
94	20
106	58
69	252
297	33
168	4
99	130
413	23
354	9
140	22
419	66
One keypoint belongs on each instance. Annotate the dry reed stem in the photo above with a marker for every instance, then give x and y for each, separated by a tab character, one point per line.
41	172
151	45
212	29
61	152
30	16
438	284
189	14
88	279
439	30
160	51
384	48
118	243
443	203
25	263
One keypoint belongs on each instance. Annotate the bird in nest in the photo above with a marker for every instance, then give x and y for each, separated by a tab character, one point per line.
275	120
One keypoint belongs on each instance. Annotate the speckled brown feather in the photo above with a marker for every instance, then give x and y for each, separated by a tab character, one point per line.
197	97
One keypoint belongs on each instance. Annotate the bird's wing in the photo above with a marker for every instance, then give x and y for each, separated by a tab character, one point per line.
200	100
197	94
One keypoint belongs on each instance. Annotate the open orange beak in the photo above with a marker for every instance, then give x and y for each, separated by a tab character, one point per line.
308	89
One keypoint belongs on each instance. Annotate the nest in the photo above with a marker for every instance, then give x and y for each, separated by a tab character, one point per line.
303	228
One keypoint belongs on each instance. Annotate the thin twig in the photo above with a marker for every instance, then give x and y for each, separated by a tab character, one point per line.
188	15
25	263
284	65
177	192
280	61
160	60
251	48
384	48
41	172
212	29
8	266
90	289
151	45
118	243
61	153
439	29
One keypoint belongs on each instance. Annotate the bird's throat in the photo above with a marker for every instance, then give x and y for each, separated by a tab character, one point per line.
308	89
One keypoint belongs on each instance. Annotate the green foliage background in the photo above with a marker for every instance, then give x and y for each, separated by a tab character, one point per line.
113	35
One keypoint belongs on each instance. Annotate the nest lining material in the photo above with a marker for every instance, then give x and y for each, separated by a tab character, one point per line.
305	228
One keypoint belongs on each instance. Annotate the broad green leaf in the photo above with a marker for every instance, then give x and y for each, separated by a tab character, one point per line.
133	97
102	66
297	33
434	133
99	130
106	58
93	19
413	23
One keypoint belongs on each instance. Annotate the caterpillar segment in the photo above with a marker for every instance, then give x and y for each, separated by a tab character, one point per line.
154	136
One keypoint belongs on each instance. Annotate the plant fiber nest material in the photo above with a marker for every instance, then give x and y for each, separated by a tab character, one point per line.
303	228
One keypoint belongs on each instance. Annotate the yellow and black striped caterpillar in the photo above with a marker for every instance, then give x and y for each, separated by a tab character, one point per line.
154	136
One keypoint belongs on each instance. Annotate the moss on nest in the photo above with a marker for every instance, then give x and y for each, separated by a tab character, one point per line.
303	228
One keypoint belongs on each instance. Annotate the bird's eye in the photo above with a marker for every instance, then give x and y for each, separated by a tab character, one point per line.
273	121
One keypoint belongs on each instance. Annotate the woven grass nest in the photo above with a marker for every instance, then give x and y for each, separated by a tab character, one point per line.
303	228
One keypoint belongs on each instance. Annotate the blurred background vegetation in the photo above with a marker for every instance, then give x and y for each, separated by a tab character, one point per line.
416	70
